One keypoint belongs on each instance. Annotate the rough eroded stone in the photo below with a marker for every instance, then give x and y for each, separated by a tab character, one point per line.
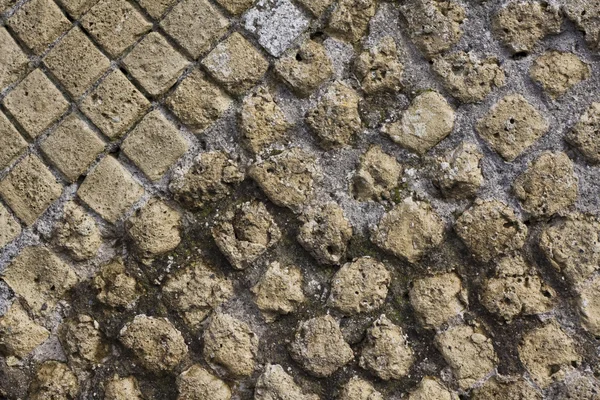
19	334
377	175
122	389
359	389
14	63
274	383
379	69
196	383
438	298
500	388
12	143
77	233
279	290
589	306
429	389
558	72
9	227
82	340
53	380
585	135
350	19
584	14
116	287
458	172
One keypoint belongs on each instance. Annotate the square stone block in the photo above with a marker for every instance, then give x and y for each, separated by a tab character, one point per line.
12	143
154	145
10	228
36	103
76	76
38	23
156	8
110	189
19	334
76	8
13	63
72	147
115	105
30	188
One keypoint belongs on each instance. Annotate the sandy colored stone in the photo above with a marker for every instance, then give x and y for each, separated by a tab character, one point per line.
438	298
77	233
558	72
490	229
335	118
548	186
511	126
115	25
434	25
110	189
196	25
115	105
118	388
35	103
325	233
154	145
287	178
198	102
155	64
230	343
38	23
116	287
584	14
306	69
236	64
245	232
409	230
19	334
155	341
469	352
319	346
572	245
349	19
39	277
589	306
427	121
521	25
209	180
359	389
379	69
82	341
279	291
548	353
76	8
5	5
53	380
196	383
468	77
516	289
506	388
29	189
316	7
458	172
154	229
386	351
12	143
156	8
359	286
377	176
431	389
262	122
72	147
579	388
14	63
196	290
236	7
275	384
76	77
10	228
585	135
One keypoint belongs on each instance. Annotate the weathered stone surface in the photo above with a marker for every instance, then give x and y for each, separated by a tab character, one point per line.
585	135
578	388
236	7
430	388
12	143
316	7
589	306
427	121
359	389
409	230
279	291
490	229
231	344
378	174
379	69
19	334
501	388
350	19
9	227
53	380
122	389
156	8
558	72
584	14
438	298
83	342
14	63
116	288
319	346
274	383
159	346
76	8
196	383
77	233
458	172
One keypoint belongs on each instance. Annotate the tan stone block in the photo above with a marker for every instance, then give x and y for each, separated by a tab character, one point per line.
236	7
6	4
9	227
154	145
156	8
11	142
14	63
198	102
76	8
30	188
36	103
196	25
39	277
115	105
19	334
115	24
236	64
110	189
317	7
155	64
38	23
76	76
72	147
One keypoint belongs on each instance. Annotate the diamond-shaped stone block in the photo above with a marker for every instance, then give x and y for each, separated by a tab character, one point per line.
196	25
9	227
236	64
156	8
30	188
115	24
110	189
36	103
155	64
11	142
154	145
13	63
76	8
72	147
115	105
